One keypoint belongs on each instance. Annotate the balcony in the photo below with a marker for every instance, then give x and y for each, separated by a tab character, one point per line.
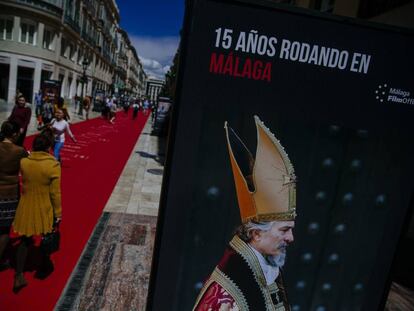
100	23
121	71
72	23
122	56
89	7
88	38
54	7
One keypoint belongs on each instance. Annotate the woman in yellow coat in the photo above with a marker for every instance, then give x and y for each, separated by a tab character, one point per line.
40	204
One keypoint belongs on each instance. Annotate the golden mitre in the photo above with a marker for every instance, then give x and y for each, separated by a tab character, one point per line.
266	186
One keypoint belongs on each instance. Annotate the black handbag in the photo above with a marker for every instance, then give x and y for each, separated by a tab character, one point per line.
50	241
7	212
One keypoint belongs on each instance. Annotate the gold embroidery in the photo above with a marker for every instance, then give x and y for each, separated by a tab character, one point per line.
234	291
225	282
250	258
228	285
202	292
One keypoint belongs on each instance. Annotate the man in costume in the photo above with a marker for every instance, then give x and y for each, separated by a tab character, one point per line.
248	277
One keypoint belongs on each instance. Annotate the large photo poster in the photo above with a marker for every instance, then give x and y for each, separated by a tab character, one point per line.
339	98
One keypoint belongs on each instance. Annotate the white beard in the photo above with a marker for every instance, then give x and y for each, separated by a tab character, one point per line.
277	260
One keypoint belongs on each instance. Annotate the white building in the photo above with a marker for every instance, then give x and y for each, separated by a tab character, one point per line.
41	40
154	87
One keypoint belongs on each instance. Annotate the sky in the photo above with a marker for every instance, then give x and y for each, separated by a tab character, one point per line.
153	26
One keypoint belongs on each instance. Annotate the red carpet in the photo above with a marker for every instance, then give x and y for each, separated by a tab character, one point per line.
90	170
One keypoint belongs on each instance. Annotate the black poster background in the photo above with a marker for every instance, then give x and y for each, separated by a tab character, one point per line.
352	155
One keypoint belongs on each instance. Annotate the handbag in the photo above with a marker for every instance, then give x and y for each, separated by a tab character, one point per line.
7	212
51	241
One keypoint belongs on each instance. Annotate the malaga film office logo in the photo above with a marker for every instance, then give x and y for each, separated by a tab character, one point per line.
385	93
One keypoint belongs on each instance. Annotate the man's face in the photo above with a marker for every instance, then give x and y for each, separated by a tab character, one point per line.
21	101
274	241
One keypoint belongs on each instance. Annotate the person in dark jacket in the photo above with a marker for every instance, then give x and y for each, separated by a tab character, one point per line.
21	115
10	156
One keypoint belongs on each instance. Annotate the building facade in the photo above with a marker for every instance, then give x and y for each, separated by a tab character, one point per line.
129	74
154	87
73	41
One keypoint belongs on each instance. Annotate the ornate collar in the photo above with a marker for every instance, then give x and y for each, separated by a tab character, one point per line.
251	259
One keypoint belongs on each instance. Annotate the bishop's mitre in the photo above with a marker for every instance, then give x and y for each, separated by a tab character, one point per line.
266	184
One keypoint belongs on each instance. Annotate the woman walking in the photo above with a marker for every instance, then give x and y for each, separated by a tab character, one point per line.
39	207
47	113
86	106
112	111
21	116
60	126
10	156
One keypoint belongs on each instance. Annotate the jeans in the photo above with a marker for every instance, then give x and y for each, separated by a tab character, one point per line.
57	148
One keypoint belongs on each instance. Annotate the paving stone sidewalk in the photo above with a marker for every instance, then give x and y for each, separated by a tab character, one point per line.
113	271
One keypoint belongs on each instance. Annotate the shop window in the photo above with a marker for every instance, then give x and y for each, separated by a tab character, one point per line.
6	28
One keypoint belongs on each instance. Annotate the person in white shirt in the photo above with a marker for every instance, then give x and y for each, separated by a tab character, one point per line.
112	111
60	126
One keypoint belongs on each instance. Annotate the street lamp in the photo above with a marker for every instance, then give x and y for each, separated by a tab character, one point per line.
85	65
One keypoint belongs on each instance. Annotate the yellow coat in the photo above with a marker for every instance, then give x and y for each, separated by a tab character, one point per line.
40	200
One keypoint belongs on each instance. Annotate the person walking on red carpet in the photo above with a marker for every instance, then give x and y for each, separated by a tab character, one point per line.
60	126
47	113
62	106
21	115
39	207
112	111
135	109
146	106
10	156
86	103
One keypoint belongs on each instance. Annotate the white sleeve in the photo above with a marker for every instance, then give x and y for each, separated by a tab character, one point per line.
68	130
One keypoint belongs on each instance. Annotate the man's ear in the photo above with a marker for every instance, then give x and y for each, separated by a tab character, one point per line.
256	234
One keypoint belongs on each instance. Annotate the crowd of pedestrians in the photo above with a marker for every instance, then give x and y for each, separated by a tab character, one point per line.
37	208
34	210
112	104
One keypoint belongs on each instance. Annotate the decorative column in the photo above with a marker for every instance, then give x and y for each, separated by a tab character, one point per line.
37	77
12	79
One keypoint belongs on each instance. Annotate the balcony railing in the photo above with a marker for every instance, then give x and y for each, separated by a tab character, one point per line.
90	39
89	7
101	23
72	23
54	7
122	55
121	70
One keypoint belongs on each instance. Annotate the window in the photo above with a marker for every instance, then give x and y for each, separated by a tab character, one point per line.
80	56
68	50
6	28
63	47
49	40
27	33
72	52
